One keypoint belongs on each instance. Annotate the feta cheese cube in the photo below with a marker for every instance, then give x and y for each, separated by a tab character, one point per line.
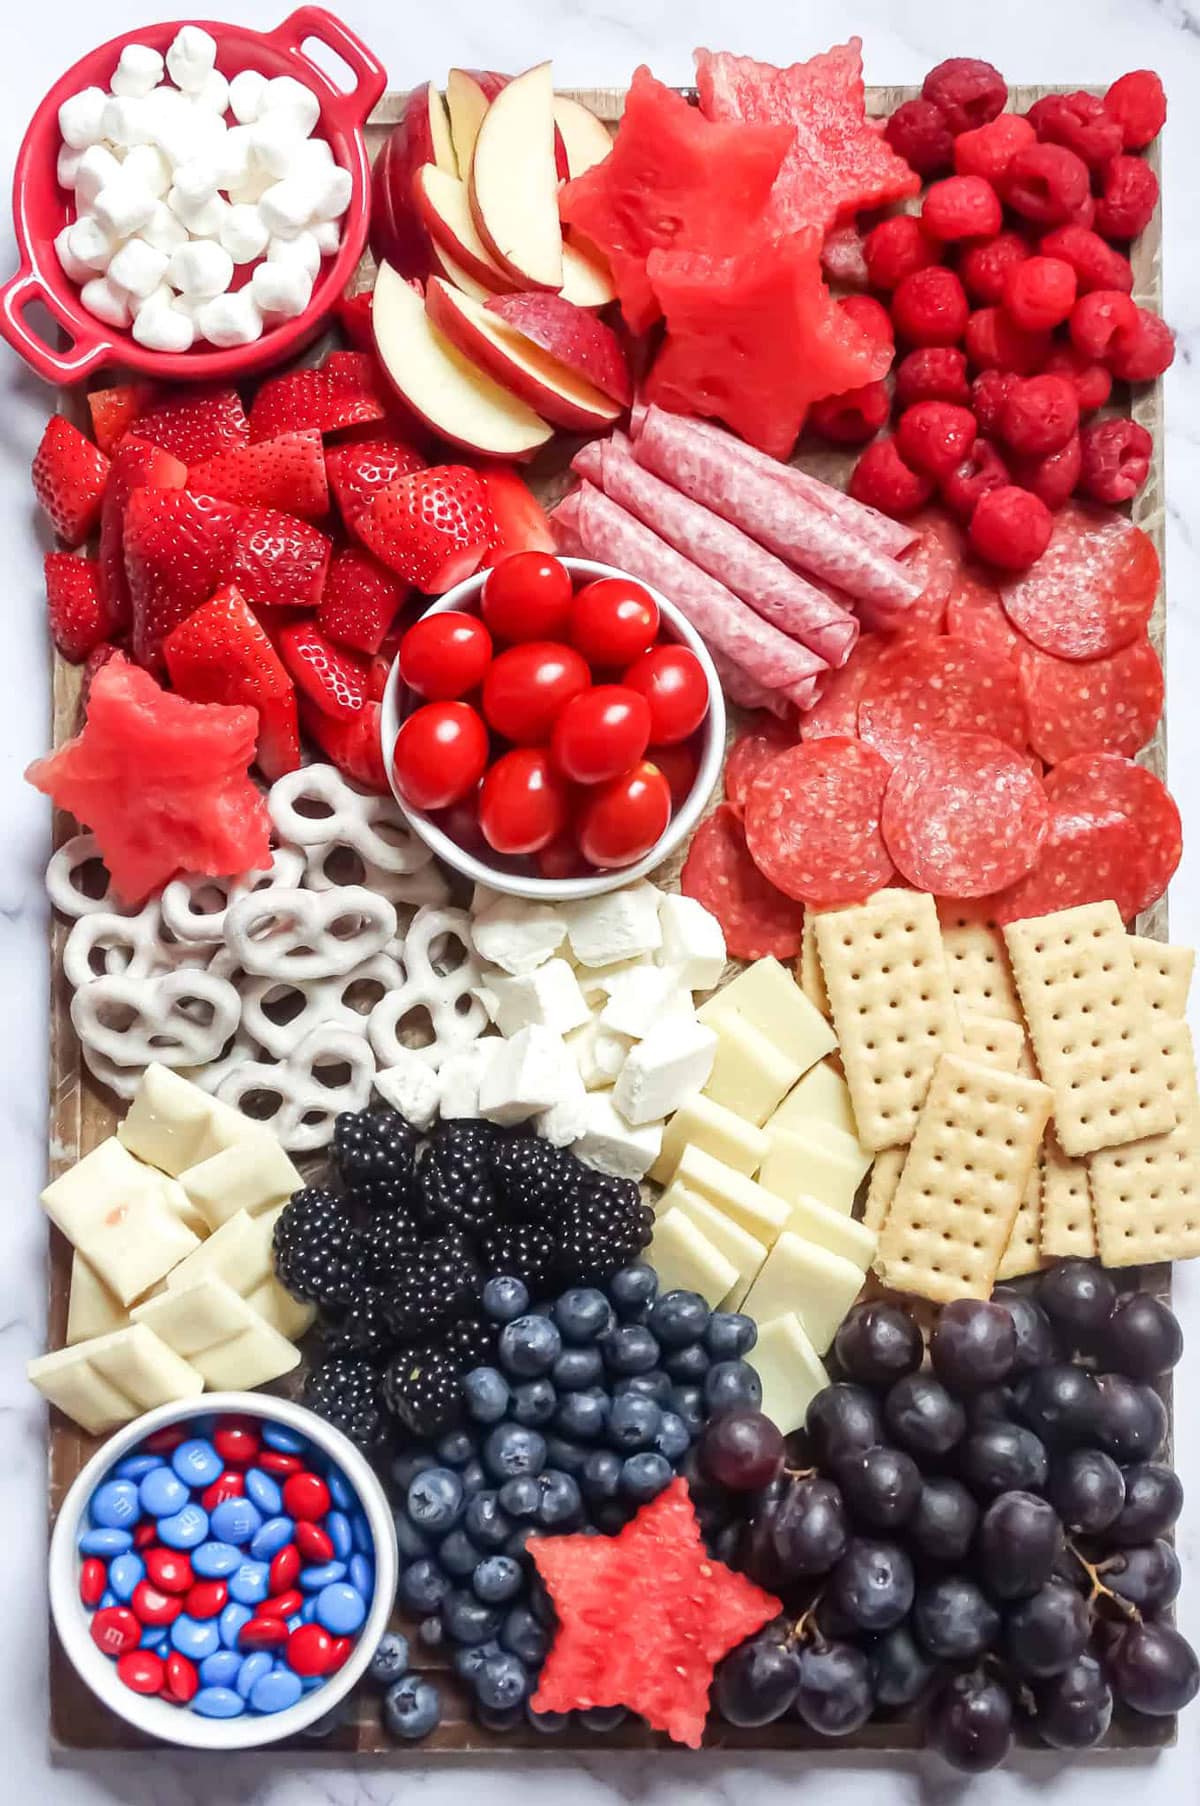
620	924
459	1077
614	1146
523	1077
598	1052
411	1087
640	1000
548	997
564	1122
663	1071
516	935
692	941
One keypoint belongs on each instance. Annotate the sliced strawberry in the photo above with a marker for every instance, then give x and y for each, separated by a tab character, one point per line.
278	561
136	464
95	661
361	600
353	745
359	385
69	474
196	423
178	552
381	664
331	678
431	528
346	391
221	654
77	616
114	411
287	472
521	523
353	315
358	472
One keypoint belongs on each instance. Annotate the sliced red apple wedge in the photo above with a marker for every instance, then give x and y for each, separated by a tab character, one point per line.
442	264
469	93
445	212
586	138
579	341
558	394
587	279
514	183
421	136
444	388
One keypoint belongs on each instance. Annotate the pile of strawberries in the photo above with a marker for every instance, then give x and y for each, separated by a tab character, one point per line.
1010	297
265	556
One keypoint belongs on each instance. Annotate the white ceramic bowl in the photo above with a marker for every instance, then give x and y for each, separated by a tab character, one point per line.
398	701
178	1724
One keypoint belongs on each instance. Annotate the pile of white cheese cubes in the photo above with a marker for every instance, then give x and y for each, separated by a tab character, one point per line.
171	200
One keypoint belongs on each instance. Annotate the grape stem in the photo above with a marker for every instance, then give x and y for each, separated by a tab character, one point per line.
802	1473
800	1629
1094	1570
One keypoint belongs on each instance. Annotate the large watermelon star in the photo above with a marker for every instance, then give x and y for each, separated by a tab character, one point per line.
644	1617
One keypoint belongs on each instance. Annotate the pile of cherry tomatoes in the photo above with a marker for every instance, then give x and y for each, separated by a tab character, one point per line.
555	725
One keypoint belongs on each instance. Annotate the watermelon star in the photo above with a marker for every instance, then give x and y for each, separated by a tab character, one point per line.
644	1617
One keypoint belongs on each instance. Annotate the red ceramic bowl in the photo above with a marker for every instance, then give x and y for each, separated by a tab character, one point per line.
41	208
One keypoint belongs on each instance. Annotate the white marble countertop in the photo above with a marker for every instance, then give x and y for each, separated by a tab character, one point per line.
593	42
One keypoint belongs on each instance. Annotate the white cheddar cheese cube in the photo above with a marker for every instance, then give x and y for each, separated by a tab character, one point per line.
703	1123
822	1095
790	1370
833	1230
692	942
687	1261
744	1251
220	1335
113	1209
620	924
798	1276
92	1310
663	1071
524	1076
643	998
598	1052
757	1210
253	1176
516	935
546	998
750	1073
768	996
614	1146
818	1161
113	1379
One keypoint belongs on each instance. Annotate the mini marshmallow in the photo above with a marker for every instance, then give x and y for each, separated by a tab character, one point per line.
128	122
285	95
196	181
163	230
287	208
89	243
138	71
274	139
332	195
200	268
138	267
67	167
108	302
182	130
232	319
203	221
236	159
147	164
243	234
73	268
303	249
312	157
214	95
249	190
161	327
283	289
191	58
124	205
96	167
327	235
246	92
81	118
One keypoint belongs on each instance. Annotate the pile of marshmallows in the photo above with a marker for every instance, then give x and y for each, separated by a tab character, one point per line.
170	200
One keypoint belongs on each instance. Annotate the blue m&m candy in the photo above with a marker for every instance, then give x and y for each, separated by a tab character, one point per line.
264	1492
235	1521
162	1492
231	1621
251	1670
185	1529
337	1529
271	1537
313	1579
362	1575
288	1442
197	1463
249	1583
195	1637
115	1505
218	1702
341	1609
104	1542
124	1572
221	1668
276	1691
215	1560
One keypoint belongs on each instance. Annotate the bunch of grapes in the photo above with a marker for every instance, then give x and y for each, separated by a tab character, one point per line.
985	1534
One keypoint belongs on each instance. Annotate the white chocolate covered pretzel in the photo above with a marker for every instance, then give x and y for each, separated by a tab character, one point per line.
303	934
441	972
103	944
194	908
279	1012
335	865
316	807
180	1018
298	1099
67	876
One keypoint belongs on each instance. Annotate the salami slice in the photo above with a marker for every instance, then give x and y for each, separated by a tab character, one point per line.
719	872
964	815
1078	706
835	713
746	693
1092	590
1114	832
975	613
954	584
748	755
812	822
921	687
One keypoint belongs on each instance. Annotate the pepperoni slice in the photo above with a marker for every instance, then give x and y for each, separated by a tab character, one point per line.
1114	832
720	873
976	614
921	687
964	816
1091	591
836	713
1078	706
812	822
749	754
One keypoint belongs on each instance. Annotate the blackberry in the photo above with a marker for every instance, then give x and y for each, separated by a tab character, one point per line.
318	1254
533	1177
388	1242
454	1182
363	1326
375	1154
523	1251
345	1392
423	1386
604	1227
437	1281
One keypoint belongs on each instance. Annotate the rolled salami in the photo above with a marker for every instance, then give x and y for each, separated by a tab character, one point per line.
565	521
773	590
746	693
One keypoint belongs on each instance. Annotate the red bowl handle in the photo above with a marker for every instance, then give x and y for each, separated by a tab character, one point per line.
87	351
347	111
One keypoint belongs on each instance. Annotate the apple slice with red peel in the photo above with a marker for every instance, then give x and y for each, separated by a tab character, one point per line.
587	278
442	264
586	138
421	136
441	386
514	183
558	394
469	94
577	339
444	209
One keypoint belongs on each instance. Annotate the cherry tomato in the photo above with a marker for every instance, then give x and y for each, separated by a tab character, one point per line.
445	656
440	755
673	682
524	803
601	733
527	687
527	597
562	859
612	621
679	765
621	820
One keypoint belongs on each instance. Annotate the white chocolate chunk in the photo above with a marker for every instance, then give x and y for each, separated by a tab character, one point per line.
92	1310
219	1334
112	1209
254	1176
113	1379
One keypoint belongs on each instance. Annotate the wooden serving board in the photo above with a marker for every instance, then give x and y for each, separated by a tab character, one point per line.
82	1113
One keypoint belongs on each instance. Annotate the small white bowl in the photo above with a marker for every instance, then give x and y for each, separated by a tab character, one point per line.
178	1724
397	702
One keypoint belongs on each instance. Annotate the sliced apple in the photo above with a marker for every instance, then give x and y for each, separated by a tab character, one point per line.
445	211
444	388
587	278
421	136
514	183
469	93
585	137
442	264
579	341
558	394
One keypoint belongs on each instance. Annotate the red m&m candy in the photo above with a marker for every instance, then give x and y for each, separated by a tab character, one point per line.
141	1670
280	1605
305	1498
312	1542
169	1569
182	1682
263	1633
341	1649
274	1461
207	1598
115	1629
309	1650
226	1486
93	1578
153	1607
236	1442
285	1568
144	1535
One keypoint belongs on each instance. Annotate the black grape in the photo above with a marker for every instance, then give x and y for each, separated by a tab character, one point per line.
1087	1489
1143	1337
834	1693
881	1487
900	1669
757	1683
878	1343
742	1450
1153	1501
1074	1708
954	1620
1045	1633
1148	1577
841	1420
1131	1419
923	1417
1154	1670
1059	1404
1078	1297
873	1584
1035	1333
1020	1539
944	1520
1001	1457
809	1530
970	1724
974	1344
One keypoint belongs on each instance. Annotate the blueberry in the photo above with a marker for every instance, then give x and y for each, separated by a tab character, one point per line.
435	1500
732	1386
602	1718
550	1724
497	1579
487	1394
467	1619
630	1349
516	1544
730	1334
405	1468
468	1660
412	1708
473	1478
456	1448
485	1523
410	1541
633	1423
576	1368
582	1313
504	1299
582	1414
533	1402
562	1504
422	1586
633	1290
565	1455
458	1555
601	1476
390	1660
325	1726
502	1682
672	1439
655	1385
687	1365
523	1636
529	1346
511	1450
678	1318
499	1721
644	1476
432	1633
521	1497
687	1402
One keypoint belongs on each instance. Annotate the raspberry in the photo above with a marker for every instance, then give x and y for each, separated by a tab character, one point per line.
883	480
1039	293
896	248
989	149
984	470
842	257
871	315
1096	320
917	132
1011	528
1039	415
935	436
1095	263
1085	214
1138	104
935	373
930	308
1115	459
852	418
966	91
961	207
1054	478
1144	351
996	342
988	394
1046	183
1127	199
1093	383
984	268
1080	122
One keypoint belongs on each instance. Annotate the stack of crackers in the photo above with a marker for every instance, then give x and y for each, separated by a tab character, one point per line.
1029	1092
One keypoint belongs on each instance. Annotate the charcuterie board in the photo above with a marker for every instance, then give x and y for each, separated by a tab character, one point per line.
81	1114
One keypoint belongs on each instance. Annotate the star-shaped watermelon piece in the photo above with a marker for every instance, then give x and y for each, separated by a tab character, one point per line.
644	1618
